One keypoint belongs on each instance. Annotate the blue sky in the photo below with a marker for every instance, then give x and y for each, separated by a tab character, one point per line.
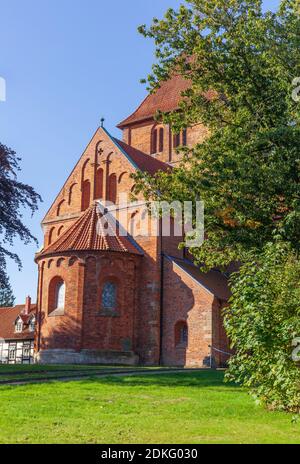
66	64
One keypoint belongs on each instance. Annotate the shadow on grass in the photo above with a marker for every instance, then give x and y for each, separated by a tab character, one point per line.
196	380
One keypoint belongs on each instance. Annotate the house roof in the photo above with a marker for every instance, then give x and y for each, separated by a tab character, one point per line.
91	233
141	160
8	317
165	99
214	281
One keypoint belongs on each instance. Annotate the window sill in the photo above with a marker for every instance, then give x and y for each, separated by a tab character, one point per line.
181	346
108	313
56	312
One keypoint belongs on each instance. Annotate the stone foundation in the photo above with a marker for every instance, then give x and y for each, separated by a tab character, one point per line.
86	357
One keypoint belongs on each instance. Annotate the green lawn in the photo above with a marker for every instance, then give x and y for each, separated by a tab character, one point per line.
169	408
35	371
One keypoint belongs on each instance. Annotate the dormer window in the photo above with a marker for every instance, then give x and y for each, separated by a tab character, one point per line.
32	325
19	326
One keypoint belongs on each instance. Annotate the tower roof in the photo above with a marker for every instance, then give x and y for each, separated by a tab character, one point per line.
91	233
165	99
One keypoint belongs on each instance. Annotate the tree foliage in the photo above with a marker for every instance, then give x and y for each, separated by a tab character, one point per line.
241	63
7	298
14	197
262	321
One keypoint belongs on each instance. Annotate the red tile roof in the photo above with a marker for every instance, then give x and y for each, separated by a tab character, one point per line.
89	234
143	162
165	99
8	317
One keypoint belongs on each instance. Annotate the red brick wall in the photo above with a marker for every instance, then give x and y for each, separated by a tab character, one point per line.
185	300
139	135
84	324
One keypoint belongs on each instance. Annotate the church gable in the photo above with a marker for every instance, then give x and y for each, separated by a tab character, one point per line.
102	173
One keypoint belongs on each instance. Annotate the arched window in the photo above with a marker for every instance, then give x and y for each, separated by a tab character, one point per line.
51	235
60	296
181	334
154	142
161	139
60	208
109	296
112	188
60	231
99	184
57	295
176	140
86	195
71	193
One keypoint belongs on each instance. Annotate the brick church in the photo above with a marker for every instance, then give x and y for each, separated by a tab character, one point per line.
112	298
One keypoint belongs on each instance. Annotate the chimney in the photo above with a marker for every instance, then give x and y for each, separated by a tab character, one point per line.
27	305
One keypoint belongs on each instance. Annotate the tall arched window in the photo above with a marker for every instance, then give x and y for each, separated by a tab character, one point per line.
154	142
112	188
181	334
99	184
109	296
161	140
60	208
86	195
184	137
176	140
51	235
71	191
60	296
57	296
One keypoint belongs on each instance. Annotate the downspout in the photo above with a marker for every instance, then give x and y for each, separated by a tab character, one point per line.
41	277
161	322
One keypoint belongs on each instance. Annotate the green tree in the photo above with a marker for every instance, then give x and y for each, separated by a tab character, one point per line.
262	321
247	171
14	197
7	298
241	63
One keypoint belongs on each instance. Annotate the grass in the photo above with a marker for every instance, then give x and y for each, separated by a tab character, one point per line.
29	372
183	408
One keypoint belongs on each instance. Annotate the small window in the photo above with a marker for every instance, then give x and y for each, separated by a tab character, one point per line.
184	137
176	140
12	353
154	142
32	325
19	326
181	334
161	139
26	351
109	296
60	295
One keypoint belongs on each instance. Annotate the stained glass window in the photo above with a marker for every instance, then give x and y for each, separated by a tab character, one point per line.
109	296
